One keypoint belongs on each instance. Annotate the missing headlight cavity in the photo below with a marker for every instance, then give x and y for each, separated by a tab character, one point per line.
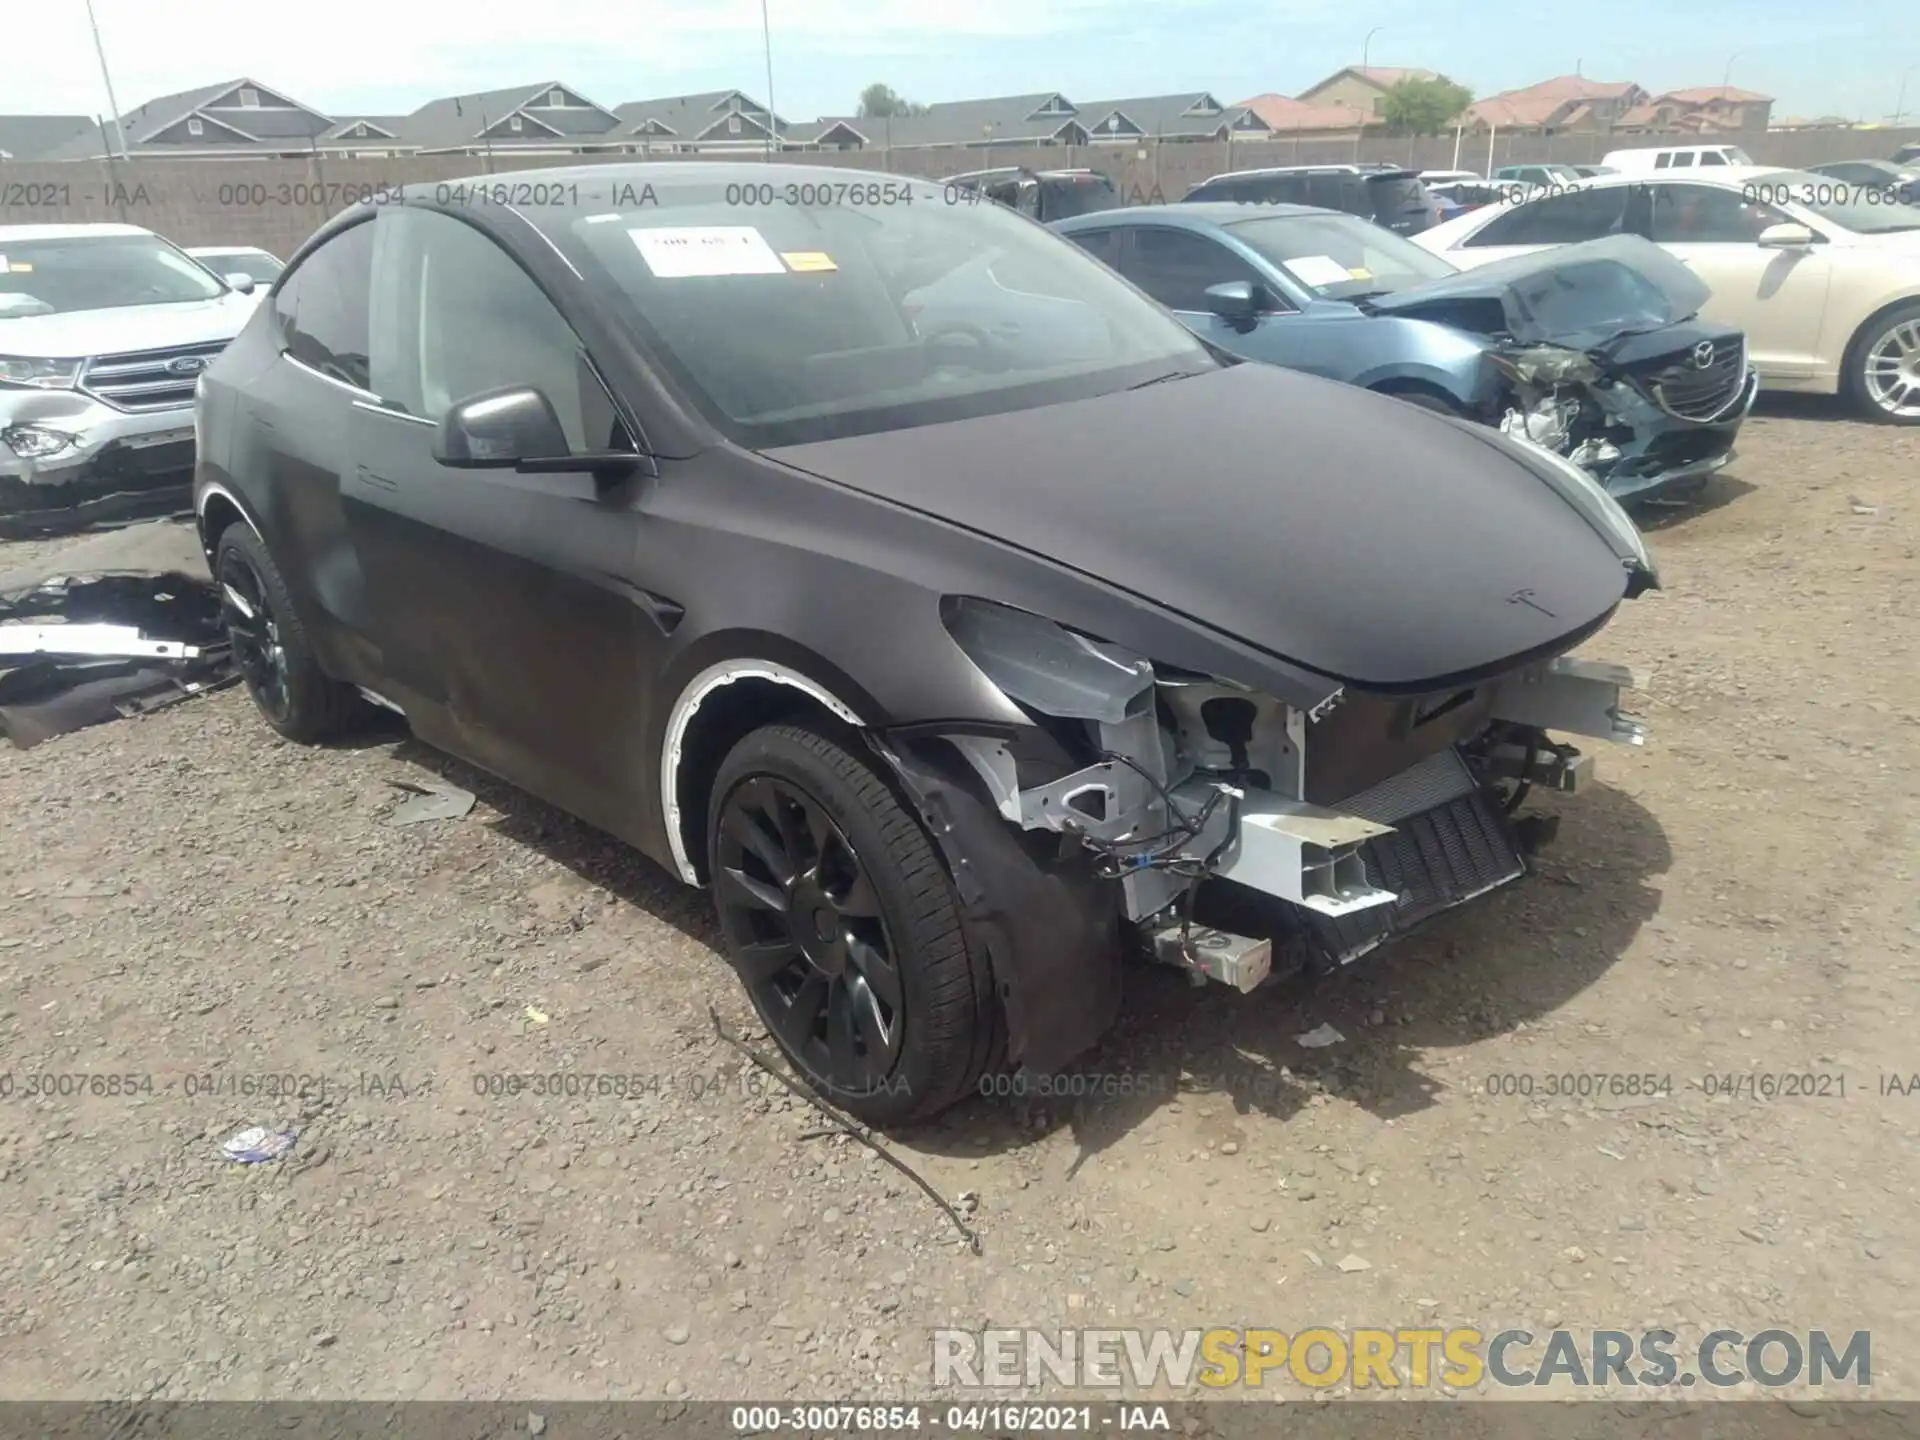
1178	787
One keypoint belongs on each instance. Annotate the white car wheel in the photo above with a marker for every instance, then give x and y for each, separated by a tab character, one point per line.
1886	375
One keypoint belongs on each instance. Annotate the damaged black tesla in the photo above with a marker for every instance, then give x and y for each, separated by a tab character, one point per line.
898	572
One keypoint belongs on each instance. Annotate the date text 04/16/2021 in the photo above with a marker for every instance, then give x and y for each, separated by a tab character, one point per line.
47	1085
973	1419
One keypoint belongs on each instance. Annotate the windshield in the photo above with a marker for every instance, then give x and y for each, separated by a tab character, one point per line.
1340	257
97	272
1863	209
865	305
1062	197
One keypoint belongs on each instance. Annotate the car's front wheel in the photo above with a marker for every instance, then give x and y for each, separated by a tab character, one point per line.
270	647
1884	376
844	928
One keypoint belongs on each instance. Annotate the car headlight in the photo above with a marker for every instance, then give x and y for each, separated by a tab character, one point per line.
37	442
41	374
1601	510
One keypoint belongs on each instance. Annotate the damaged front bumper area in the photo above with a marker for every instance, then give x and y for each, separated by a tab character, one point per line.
69	461
1241	837
1649	430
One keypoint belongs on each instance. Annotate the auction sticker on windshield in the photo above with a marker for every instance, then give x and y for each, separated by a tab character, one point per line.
808	260
674	252
1319	270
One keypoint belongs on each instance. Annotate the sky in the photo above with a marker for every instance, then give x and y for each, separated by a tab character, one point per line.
1846	57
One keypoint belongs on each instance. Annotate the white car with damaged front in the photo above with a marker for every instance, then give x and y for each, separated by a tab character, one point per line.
1824	277
104	330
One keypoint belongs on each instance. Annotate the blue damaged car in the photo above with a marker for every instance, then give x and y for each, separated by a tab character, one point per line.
1594	351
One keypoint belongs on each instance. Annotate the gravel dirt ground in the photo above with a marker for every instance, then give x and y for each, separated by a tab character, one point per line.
187	900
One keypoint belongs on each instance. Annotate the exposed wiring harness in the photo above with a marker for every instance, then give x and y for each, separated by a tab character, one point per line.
1120	858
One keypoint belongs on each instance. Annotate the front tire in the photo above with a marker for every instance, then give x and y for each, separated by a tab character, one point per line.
844	928
270	648
1883	369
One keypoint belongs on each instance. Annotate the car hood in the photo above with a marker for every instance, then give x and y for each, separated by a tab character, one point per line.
76	334
1348	533
1579	296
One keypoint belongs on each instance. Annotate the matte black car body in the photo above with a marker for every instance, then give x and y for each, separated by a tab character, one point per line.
604	639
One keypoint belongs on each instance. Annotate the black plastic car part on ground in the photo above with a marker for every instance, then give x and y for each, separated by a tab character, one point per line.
868	562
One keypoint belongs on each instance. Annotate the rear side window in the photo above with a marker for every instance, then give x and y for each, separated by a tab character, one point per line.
322	307
1558	219
1662	161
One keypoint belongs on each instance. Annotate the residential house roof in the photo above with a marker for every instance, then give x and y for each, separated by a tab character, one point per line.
1000	120
364	129
702	118
1192	116
1285	115
1708	94
1559	101
233	117
29	137
534	117
1381	77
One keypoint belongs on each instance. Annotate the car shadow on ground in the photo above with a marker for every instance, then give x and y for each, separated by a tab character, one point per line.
1720	490
1826	409
1483	970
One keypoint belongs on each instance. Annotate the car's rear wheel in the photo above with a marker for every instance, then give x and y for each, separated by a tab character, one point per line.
270	648
1884	374
844	927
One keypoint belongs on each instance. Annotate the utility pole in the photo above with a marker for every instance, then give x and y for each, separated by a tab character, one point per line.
766	34
106	77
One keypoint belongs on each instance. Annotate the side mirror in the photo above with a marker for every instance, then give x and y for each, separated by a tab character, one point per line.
518	429
1786	236
499	429
1235	300
238	281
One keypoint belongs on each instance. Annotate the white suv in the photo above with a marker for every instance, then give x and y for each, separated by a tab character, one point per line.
104	330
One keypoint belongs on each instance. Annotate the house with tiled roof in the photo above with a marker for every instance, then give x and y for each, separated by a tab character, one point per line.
236	119
1711	107
1363	87
1284	115
1566	103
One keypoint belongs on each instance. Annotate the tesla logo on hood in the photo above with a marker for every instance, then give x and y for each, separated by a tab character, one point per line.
1525	597
1703	355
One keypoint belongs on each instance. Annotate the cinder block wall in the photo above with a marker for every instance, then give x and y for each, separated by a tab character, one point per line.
277	204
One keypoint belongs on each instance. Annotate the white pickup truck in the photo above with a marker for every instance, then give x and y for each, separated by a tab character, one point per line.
104	330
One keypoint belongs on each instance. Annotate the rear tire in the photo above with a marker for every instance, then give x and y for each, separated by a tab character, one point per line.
1883	367
844	928
270	648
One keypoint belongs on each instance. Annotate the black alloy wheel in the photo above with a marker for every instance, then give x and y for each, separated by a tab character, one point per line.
253	629
808	934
